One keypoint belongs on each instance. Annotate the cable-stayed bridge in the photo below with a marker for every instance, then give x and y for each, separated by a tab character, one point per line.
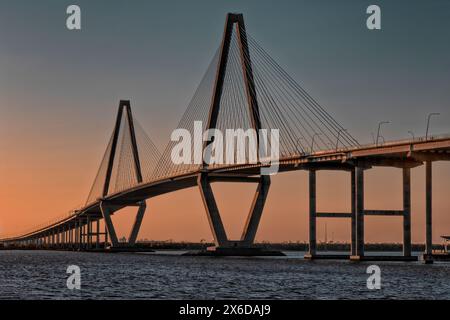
243	88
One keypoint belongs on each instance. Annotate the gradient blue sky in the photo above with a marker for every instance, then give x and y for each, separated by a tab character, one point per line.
59	89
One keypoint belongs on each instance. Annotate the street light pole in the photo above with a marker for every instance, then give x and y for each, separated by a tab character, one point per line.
312	142
379	127
428	122
301	146
339	135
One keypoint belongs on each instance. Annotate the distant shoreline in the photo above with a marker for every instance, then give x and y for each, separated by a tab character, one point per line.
284	246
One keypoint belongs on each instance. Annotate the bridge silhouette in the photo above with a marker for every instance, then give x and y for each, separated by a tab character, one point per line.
245	88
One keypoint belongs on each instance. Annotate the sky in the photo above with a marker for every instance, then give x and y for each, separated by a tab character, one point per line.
59	92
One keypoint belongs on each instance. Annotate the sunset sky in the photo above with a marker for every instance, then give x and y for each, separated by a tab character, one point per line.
59	92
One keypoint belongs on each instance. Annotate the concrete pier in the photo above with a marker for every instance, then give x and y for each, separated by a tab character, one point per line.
357	216
312	214
353	213
212	211
428	255
359	186
223	245
360	211
406	212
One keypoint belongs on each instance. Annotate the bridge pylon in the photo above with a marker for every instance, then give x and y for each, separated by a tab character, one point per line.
223	245
108	206
234	20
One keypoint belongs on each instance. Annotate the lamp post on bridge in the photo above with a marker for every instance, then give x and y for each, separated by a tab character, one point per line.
312	141
412	134
339	135
378	132
428	122
296	145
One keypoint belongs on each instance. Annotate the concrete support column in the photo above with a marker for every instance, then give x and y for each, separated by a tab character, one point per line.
429	208
214	219
137	223
70	236
406	212
97	238
85	238
80	235
106	236
359	211
255	213
107	210
76	235
312	213
353	208
89	232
